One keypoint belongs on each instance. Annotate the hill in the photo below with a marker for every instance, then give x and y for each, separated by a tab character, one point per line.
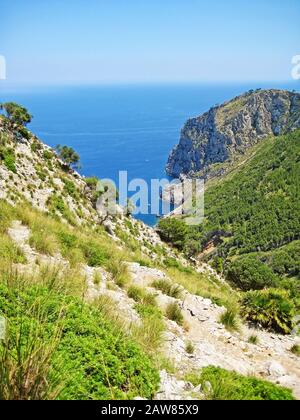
104	309
229	130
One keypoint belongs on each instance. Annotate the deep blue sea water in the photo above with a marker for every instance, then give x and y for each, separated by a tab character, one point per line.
118	128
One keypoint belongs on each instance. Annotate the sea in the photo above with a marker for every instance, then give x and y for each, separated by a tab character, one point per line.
122	127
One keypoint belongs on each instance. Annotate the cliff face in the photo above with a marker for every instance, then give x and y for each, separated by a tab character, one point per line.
230	129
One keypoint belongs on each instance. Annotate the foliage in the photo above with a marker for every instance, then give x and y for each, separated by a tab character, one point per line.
253	339
141	296
168	288
296	350
173	230
7	155
248	273
173	312
271	308
253	209
68	155
17	113
230	386
230	319
189	348
99	362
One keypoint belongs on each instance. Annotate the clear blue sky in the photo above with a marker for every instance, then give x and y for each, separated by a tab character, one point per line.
64	41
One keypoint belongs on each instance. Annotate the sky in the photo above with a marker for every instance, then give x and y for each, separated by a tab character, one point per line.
137	41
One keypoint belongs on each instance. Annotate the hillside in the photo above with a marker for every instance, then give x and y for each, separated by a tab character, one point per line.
229	130
107	310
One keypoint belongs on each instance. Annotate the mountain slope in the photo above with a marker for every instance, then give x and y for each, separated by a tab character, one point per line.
230	129
251	229
100	305
259	204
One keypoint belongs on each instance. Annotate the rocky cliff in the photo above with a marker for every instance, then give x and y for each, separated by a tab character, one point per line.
230	129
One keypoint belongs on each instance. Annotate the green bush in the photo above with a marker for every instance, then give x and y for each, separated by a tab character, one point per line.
17	113
230	386
99	362
95	255
296	350
136	293
25	133
8	157
148	311
272	309
249	273
173	312
230	319
70	188
174	231
168	288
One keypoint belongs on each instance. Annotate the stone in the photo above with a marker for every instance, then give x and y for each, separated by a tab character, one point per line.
198	389
275	369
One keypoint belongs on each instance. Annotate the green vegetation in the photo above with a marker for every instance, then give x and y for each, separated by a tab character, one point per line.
68	155
10	252
173	312
296	350
253	209
189	348
253	339
47	328
248	273
230	386
251	230
272	309
16	113
230	319
174	231
7	155
141	296
168	288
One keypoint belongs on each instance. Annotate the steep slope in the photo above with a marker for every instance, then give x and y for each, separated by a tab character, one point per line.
251	229
259	203
232	128
110	310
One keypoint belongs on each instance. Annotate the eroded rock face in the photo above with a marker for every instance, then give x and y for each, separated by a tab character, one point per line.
232	128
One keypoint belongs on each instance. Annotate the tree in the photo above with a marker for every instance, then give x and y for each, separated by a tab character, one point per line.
68	155
249	273
17	114
173	230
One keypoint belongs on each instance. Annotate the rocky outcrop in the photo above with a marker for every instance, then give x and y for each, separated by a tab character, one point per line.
232	128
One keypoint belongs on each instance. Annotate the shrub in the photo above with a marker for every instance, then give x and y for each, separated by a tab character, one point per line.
135	293
48	155
68	155
230	319
17	113
189	348
25	133
94	254
10	252
173	312
168	288
174	231
118	269
43	242
99	362
272	309
8	157
296	350
230	386
249	273
148	311
70	188
253	339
